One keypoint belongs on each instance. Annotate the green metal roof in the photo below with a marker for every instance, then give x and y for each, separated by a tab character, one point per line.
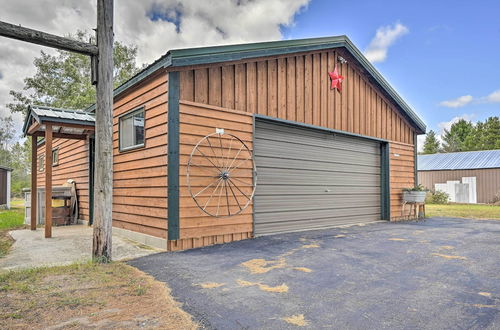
44	114
5	168
216	54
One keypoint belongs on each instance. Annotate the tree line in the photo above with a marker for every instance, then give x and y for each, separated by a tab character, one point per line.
62	80
464	135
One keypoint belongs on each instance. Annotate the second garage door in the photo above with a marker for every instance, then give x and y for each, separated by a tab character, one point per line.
312	179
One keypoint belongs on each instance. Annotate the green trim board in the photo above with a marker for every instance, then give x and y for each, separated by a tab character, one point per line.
207	55
385	199
415	160
91	146
173	155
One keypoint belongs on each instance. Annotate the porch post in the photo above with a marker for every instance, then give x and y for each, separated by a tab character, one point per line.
34	170
48	180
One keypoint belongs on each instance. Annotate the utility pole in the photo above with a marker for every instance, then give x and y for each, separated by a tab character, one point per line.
103	180
103	54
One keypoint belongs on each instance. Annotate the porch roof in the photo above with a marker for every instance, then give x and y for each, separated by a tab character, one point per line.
66	123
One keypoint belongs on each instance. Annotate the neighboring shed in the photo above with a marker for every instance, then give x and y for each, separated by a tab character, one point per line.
5	173
481	169
198	129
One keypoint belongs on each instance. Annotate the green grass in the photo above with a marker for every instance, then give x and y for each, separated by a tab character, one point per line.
9	220
473	211
17	203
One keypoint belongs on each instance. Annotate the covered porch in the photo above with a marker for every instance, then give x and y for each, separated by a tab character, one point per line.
44	124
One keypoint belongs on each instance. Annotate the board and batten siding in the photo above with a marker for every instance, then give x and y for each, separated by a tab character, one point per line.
297	88
197	228
140	175
73	164
487	180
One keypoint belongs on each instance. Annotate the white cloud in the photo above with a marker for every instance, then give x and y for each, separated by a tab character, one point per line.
494	97
420	142
178	24
384	38
464	100
458	102
447	124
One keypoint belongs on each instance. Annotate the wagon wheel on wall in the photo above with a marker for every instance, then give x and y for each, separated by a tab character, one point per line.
221	174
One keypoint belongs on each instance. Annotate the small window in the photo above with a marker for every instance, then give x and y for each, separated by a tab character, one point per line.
131	129
41	163
55	157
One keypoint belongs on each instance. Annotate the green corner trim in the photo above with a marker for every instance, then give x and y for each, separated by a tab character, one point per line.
173	156
385	202
415	164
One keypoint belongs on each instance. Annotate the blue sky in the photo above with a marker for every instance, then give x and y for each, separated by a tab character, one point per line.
452	49
444	51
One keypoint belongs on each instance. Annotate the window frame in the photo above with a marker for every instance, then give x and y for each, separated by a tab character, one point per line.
41	163
126	115
55	151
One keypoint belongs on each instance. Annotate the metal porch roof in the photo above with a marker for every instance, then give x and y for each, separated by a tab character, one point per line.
44	114
459	160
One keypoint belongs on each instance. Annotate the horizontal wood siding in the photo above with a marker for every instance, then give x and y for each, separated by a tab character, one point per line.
140	175
197	228
487	181
297	88
402	162
73	164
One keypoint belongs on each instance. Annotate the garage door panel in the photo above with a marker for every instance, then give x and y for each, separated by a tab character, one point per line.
312	202
278	133
282	176
273	227
291	147
278	162
268	217
306	189
311	179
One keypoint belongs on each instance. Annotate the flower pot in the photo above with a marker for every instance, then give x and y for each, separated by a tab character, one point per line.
414	196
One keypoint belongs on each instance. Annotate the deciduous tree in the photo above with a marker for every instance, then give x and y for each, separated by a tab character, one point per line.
63	80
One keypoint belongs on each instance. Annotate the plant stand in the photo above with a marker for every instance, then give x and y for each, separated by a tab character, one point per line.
417	208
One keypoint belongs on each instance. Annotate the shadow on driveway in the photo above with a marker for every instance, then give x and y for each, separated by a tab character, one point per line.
441	273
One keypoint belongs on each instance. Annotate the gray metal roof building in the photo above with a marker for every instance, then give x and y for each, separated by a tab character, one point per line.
459	160
483	167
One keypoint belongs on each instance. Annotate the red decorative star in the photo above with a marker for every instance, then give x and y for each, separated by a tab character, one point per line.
337	79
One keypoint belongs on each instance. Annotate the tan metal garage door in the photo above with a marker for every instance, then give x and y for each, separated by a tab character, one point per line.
312	179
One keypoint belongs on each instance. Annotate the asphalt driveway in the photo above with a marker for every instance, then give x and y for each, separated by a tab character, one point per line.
437	274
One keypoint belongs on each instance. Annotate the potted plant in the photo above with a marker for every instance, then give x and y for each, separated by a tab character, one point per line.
415	194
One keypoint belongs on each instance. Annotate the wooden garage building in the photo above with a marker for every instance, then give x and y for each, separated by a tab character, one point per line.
318	156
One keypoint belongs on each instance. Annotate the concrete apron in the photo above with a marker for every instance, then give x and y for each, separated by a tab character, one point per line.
69	244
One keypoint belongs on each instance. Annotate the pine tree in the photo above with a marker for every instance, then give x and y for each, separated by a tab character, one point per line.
431	144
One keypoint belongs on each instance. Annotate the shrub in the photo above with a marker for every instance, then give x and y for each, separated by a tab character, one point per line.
416	188
437	197
496	199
